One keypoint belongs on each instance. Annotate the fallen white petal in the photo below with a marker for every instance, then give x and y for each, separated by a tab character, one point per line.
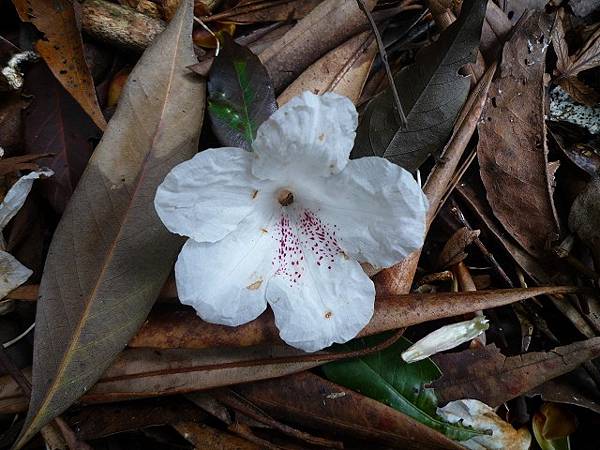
12	273
445	338
480	416
16	196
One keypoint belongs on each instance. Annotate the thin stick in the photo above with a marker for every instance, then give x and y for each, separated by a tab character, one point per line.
384	59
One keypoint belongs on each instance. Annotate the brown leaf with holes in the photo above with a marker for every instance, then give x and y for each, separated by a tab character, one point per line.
62	49
512	150
486	374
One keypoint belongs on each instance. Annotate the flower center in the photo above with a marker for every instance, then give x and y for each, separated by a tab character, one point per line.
285	197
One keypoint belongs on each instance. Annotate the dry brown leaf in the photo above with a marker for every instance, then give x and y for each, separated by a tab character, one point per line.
512	150
328	25
184	329
487	375
62	49
454	250
313	402
344	70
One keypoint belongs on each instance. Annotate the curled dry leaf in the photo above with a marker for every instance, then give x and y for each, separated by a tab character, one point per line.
110	254
62	49
512	150
432	93
487	375
454	250
582	148
313	402
328	25
183	329
344	70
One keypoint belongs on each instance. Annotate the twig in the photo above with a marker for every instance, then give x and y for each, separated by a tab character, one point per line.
384	59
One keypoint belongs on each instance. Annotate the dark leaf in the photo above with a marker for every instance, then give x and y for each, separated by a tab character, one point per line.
56	124
385	377
110	254
486	374
240	95
432	92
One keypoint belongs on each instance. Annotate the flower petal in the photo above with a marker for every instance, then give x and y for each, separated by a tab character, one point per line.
207	196
225	281
311	135
378	207
318	295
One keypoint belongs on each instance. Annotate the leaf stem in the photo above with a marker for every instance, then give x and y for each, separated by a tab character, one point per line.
384	59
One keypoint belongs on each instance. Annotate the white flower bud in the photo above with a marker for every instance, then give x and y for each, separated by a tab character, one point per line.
445	338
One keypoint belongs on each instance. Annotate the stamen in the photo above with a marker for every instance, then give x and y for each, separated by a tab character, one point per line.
285	197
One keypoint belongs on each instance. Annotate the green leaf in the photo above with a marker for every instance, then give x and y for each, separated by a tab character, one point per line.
385	377
431	91
240	95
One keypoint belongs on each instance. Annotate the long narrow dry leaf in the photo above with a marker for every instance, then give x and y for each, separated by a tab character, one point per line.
487	375
328	25
183	329
110	254
344	70
62	49
141	373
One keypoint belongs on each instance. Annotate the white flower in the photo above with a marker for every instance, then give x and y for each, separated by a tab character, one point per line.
445	338
289	223
476	414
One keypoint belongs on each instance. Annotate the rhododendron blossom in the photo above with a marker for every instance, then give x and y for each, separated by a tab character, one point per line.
289	224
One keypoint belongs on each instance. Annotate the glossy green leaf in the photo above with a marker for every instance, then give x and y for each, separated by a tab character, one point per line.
241	95
431	91
385	377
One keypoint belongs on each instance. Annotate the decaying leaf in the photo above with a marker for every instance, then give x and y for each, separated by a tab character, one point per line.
311	401
250	12
203	436
431	91
480	416
110	254
56	124
487	375
385	377
512	150
330	24
240	95
581	147
344	70
62	49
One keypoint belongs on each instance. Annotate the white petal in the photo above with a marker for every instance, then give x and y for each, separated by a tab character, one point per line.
310	135
225	281
207	196
318	295
445	338
16	196
378	207
12	273
480	416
